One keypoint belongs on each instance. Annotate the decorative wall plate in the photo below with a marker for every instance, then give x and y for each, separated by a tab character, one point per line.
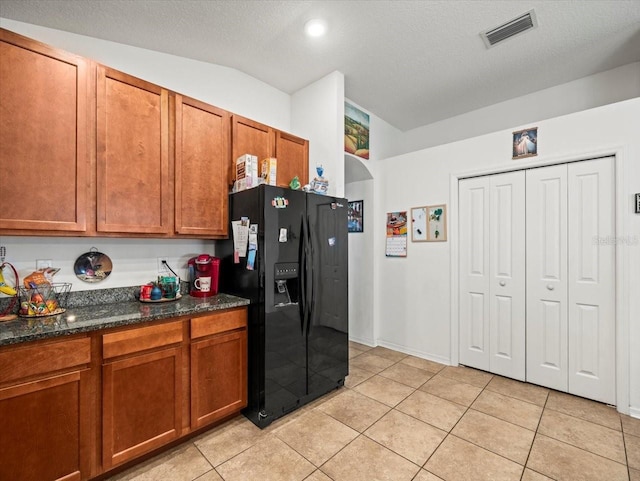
93	266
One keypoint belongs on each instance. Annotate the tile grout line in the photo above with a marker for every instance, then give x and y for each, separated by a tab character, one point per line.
535	434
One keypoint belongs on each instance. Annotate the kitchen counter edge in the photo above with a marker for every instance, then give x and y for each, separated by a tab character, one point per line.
104	316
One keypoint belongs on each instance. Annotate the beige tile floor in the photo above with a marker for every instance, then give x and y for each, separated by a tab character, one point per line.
403	418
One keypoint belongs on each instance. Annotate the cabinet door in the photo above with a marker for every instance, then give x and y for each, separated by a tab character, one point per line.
142	404
201	168
45	429
293	159
249	137
218	377
43	137
133	188
547	277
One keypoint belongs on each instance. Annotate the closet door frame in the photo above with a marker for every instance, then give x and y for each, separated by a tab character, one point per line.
621	160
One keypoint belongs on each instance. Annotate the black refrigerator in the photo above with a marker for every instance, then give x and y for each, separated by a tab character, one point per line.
295	273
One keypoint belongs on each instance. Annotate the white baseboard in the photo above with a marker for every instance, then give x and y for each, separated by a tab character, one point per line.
413	352
366	342
634	412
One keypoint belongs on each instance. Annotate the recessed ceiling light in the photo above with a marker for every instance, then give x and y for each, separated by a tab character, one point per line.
315	27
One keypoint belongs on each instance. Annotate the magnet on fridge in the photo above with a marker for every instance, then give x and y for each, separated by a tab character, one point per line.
283	235
331	241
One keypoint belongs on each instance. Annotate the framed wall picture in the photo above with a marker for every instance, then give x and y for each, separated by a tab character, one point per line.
356	131
525	143
355	216
437	223
419	224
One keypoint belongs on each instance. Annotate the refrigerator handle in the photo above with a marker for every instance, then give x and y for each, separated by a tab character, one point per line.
310	280
302	281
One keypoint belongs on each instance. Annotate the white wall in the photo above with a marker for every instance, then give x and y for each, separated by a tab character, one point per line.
412	301
361	275
317	114
134	260
604	88
223	87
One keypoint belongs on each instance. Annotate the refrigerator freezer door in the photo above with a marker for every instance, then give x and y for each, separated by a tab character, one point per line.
328	324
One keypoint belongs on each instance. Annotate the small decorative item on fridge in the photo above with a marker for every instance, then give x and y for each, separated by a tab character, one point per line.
319	184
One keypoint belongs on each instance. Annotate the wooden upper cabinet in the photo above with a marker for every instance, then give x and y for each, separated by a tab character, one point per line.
293	159
202	141
44	122
134	190
249	137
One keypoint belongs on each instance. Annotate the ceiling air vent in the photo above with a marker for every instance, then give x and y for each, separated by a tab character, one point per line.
510	29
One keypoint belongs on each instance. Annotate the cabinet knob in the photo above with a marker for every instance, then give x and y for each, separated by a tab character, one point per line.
550	287
503	283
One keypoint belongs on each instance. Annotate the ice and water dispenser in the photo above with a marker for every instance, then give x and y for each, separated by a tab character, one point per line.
285	284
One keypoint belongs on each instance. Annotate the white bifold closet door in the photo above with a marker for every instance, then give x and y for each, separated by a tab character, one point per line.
492	273
571	278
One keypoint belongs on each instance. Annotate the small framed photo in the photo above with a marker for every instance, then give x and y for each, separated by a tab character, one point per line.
355	218
437	223
525	143
419	224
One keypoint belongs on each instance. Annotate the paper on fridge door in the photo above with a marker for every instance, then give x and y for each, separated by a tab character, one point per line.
240	230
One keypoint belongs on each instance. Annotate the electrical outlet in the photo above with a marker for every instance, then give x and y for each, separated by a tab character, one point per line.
43	264
162	268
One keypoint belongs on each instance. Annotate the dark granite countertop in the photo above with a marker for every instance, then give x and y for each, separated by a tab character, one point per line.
103	316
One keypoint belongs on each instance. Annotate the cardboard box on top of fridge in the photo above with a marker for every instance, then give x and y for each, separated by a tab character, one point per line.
246	172
269	170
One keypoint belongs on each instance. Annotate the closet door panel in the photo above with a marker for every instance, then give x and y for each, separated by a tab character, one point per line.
474	272
507	275
592	279
546	263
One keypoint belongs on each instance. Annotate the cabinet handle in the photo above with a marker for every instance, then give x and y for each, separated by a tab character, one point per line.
503	283
550	287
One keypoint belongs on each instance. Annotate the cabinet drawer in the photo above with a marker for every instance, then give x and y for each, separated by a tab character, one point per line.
141	339
219	322
24	362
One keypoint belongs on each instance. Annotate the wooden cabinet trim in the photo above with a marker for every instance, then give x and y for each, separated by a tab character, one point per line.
141	339
28	361
217	323
39	385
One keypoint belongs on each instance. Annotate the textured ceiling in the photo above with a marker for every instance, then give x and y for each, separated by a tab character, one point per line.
410	62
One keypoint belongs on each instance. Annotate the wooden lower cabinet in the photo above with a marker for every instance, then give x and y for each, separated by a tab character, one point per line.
73	409
218	377
45	430
141	390
142	404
